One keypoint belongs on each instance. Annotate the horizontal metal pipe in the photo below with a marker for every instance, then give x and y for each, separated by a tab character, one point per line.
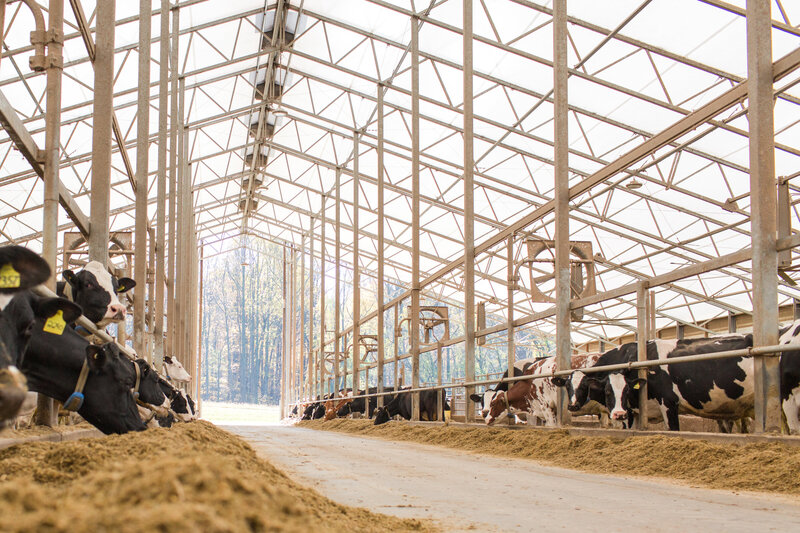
745	352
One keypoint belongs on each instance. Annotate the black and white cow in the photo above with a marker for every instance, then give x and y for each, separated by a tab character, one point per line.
175	371
56	354
720	389
484	400
96	291
790	377
20	269
358	404
401	405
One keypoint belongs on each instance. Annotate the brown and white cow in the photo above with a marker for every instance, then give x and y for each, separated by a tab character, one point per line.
538	397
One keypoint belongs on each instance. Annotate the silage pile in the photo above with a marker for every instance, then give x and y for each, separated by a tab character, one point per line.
192	477
768	467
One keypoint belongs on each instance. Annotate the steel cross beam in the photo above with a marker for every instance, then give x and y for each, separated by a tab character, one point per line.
26	145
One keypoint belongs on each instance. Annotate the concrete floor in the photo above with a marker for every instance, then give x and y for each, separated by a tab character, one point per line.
464	491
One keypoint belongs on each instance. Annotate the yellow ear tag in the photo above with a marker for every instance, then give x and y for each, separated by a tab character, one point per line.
56	323
636	386
9	278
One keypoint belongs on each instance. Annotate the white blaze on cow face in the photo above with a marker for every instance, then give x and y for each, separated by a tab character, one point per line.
4	300
617	383
115	311
488	396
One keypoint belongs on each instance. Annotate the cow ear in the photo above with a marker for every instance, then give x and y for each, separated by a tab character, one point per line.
558	381
475	397
70	277
47	307
97	357
168	359
637	383
21	269
124	285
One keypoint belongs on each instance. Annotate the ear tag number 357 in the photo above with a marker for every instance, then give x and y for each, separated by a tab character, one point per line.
56	323
9	278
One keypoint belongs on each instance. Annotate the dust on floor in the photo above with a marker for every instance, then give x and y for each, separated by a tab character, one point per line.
192	477
766	467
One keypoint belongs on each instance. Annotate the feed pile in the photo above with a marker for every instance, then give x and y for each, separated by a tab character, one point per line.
767	467
192	477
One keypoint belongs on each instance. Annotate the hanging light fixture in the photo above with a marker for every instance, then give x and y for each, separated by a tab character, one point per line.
633	184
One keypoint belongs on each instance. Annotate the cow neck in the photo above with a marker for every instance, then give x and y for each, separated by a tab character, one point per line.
68	292
75	400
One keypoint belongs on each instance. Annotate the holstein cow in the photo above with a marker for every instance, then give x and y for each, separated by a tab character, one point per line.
401	405
720	389
483	400
94	380
20	269
538	397
332	406
790	377
95	290
153	403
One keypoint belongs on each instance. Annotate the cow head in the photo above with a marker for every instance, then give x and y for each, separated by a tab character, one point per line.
622	394
96	291
175	371
578	387
484	400
109	404
498	408
180	403
149	388
381	416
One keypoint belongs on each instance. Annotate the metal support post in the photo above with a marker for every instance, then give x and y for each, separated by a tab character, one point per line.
763	206
511	285
561	177
101	132
641	348
45	411
142	169
173	183
311	361
161	201
302	329
380	293
396	345
413	324
356	271
469	219
323	381
336	312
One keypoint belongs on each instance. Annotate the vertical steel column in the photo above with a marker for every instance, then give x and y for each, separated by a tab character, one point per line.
161	201
45	412
469	219
322	297
413	327
292	330
173	181
396	346
200	354
561	178
151	292
511	354
302	329
181	239
381	215
336	313
142	164
641	348
311	362
284	335
356	272
101	132
763	196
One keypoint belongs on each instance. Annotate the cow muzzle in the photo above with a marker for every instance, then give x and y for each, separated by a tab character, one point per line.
12	393
619	415
115	313
574	407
